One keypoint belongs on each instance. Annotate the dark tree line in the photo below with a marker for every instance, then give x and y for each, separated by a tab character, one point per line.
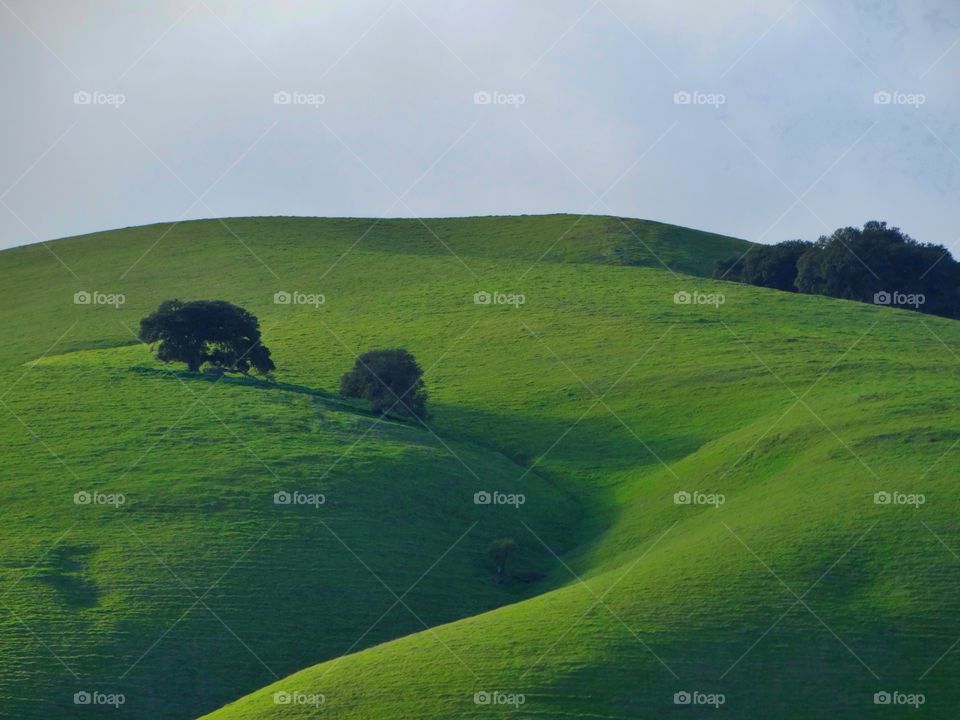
855	264
773	266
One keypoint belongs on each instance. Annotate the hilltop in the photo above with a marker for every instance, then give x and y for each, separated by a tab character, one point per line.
598	398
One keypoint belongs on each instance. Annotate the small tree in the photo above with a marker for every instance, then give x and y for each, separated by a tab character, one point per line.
207	331
390	380
499	552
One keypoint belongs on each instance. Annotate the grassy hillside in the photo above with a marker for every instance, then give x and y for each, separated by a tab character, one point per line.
599	399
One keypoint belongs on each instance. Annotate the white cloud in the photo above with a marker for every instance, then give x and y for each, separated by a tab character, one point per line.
399	88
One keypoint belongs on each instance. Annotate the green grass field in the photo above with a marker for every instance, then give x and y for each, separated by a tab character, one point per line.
598	399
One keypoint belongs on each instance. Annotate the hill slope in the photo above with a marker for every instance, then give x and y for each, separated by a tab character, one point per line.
599	398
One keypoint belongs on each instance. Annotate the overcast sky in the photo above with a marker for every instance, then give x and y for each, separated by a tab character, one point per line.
758	119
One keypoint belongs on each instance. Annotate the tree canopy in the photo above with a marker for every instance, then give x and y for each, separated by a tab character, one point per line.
876	263
202	332
773	266
390	380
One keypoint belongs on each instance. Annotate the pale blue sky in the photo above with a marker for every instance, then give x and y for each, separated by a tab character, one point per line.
783	136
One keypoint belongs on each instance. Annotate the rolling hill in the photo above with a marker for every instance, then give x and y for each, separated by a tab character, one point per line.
700	512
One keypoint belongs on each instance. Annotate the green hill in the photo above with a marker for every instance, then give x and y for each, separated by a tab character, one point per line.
598	399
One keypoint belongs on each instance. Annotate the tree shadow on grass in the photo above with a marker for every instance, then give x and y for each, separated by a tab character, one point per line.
66	572
329	398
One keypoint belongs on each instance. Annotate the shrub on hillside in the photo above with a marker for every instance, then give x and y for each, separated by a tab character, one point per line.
390	380
499	553
212	332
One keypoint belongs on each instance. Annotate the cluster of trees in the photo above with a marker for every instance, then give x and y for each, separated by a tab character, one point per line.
855	264
772	266
226	338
